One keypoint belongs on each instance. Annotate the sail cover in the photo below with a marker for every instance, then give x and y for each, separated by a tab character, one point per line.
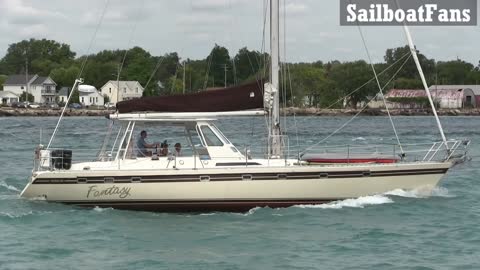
238	98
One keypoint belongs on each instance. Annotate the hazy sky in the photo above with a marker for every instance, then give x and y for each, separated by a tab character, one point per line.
192	27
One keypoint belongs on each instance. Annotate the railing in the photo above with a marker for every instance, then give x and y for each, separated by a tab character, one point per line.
424	152
60	159
49	92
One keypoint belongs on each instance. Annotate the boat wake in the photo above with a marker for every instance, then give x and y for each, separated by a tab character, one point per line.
8	187
250	212
352	203
382	198
101	209
421	193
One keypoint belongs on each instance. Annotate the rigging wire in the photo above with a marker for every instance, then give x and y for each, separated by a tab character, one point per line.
283	72
263	50
380	88
264	55
77	81
207	72
159	63
363	108
134	28
365	84
174	82
294	113
232	22
102	16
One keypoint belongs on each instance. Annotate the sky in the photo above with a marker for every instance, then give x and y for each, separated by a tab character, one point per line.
192	27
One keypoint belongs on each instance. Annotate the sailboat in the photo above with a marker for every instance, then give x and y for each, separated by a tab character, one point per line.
216	175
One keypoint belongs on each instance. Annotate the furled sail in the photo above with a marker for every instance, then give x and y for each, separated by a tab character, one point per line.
237	98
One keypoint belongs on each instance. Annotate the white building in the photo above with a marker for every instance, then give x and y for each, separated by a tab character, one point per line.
94	98
43	89
7	98
465	95
128	90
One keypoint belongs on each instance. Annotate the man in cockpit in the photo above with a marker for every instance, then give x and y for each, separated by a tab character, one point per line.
142	145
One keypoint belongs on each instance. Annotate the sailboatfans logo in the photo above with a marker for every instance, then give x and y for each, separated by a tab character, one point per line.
411	12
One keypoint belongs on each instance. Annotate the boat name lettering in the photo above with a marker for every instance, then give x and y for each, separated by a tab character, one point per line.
122	193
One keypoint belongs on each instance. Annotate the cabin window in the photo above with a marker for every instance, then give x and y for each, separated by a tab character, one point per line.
194	137
125	90
136	90
211	138
22	87
110	90
83	100
221	134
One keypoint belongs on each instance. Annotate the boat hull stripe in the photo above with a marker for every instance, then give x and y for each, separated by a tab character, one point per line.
239	177
196	206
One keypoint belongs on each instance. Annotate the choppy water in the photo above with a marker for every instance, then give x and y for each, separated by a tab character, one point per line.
397	230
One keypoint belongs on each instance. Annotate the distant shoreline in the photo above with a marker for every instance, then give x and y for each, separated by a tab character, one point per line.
15	112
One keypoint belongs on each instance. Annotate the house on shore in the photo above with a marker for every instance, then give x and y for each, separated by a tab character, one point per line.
444	97
43	89
122	90
7	98
93	98
469	94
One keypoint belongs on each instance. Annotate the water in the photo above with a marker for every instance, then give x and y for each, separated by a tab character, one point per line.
397	230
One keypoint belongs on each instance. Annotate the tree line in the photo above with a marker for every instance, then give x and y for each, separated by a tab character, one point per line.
316	84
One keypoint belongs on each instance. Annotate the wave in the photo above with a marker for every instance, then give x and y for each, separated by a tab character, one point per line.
208	214
101	209
359	139
250	212
421	193
352	203
39	198
24	214
17	215
9	187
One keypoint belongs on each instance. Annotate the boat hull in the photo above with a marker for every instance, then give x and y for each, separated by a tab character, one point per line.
229	189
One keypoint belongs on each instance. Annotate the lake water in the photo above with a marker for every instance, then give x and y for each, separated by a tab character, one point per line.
398	230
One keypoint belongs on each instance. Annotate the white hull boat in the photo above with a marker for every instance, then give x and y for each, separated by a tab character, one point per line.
232	189
213	174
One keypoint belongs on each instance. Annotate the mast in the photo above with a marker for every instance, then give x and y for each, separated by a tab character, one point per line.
424	81
275	131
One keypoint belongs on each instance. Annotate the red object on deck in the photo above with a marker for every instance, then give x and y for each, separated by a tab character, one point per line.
335	158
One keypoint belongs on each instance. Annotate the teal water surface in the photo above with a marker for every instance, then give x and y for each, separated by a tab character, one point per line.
398	230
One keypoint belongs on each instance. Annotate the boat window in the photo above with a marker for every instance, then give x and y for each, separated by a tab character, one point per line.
210	137
221	134
194	136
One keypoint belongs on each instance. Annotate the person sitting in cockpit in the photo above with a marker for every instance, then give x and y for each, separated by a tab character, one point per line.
142	145
164	149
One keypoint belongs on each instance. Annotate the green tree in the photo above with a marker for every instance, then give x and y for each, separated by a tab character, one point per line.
312	85
249	64
65	77
350	75
219	60
3	78
42	56
410	69
455	72
27	97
